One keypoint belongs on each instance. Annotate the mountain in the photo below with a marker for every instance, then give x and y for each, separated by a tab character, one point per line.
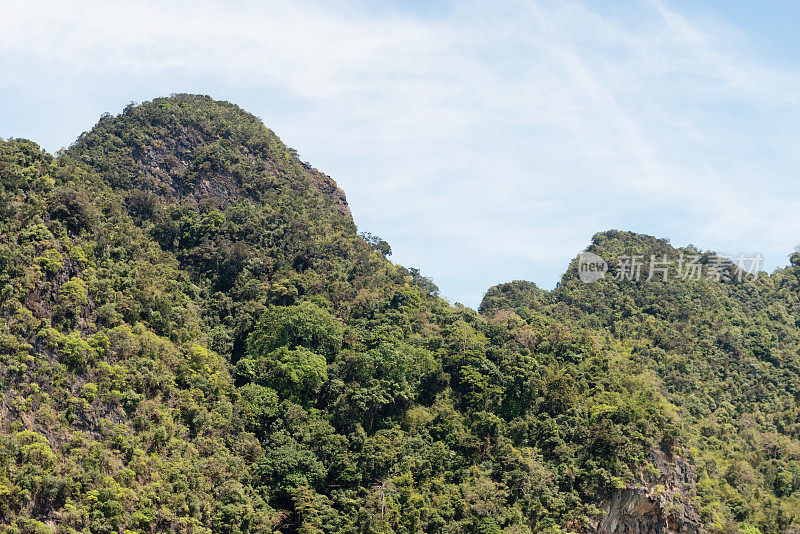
192	147
196	338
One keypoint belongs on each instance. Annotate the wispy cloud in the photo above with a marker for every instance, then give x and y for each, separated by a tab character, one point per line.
486	140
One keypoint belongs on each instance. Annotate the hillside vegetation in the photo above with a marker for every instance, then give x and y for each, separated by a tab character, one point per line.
196	338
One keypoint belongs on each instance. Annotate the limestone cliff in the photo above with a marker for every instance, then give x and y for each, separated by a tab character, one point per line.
660	502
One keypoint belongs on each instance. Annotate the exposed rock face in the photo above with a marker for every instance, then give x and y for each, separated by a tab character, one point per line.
660	502
165	167
328	187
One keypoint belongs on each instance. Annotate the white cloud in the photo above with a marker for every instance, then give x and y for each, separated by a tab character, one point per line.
486	141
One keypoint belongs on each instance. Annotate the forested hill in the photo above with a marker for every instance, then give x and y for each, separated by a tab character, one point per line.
195	338
725	352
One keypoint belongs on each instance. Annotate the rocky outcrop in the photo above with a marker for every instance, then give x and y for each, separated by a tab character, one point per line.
329	189
659	502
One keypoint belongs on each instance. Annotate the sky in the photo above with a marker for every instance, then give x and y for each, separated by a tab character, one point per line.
485	141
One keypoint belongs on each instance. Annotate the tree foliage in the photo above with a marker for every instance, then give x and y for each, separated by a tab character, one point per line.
195	338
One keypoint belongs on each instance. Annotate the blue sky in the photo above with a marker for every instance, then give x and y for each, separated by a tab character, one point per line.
486	141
